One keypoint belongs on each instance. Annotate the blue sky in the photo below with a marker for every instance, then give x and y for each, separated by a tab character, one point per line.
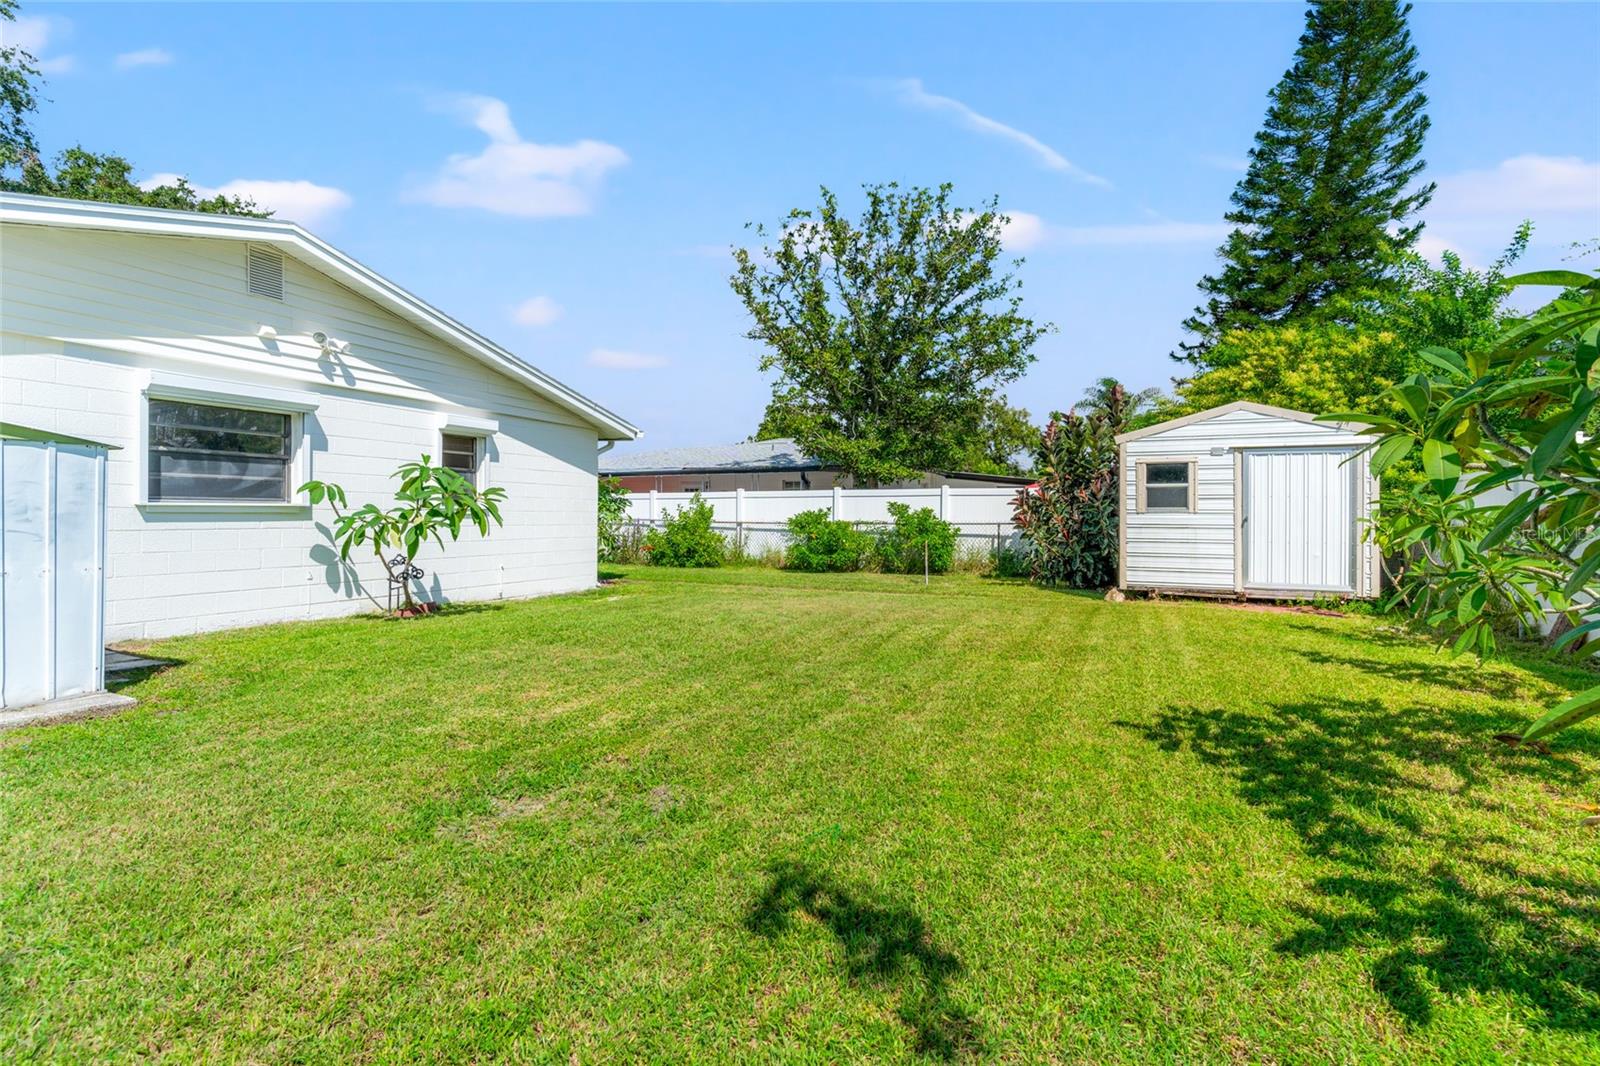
567	180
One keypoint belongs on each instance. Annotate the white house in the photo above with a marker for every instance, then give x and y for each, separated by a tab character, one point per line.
230	359
1247	500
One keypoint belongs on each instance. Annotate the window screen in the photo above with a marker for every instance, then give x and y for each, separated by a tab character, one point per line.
1166	487
201	452
461	455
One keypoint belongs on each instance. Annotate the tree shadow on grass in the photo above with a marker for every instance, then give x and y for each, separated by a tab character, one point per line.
883	945
1425	879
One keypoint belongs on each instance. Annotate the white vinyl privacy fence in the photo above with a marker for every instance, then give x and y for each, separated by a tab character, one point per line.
759	520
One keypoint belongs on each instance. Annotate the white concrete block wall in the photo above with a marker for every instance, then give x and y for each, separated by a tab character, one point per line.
76	354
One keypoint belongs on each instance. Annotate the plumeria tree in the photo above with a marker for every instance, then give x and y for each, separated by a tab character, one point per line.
432	501
1503	530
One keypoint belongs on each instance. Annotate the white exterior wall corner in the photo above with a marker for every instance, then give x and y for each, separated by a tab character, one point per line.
88	317
1199	551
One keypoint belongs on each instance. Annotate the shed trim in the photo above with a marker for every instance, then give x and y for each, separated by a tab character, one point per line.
1230	408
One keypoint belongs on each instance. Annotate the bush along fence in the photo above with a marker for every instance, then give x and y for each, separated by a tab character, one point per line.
756	527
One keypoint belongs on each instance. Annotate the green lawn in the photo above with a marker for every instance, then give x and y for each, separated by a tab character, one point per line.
756	815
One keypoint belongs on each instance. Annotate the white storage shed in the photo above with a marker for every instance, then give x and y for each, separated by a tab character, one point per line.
1247	500
52	557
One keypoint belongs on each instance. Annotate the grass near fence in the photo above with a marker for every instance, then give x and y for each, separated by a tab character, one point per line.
749	814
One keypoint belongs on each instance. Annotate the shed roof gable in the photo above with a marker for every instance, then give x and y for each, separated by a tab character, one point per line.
1232	408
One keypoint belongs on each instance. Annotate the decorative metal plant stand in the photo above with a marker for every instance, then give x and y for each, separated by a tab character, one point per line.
399	574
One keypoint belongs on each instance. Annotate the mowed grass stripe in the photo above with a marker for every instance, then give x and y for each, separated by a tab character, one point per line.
748	814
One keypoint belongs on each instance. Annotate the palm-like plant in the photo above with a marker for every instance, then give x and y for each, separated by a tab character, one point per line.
432	501
1110	401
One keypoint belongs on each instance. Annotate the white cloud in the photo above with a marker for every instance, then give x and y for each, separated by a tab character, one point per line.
539	311
144	57
1225	162
1025	230
612	359
1021	230
911	92
1475	212
516	177
34	34
293	201
1532	184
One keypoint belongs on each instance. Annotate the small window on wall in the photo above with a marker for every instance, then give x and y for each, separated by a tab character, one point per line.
1167	486
794	486
203	452
460	453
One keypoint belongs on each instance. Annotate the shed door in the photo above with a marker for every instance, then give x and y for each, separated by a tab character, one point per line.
1300	519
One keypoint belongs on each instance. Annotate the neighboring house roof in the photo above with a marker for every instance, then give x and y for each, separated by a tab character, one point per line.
749	457
1230	408
321	256
779	455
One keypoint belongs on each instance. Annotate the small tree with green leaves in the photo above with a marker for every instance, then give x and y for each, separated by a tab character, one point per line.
613	514
1512	419
915	539
432	501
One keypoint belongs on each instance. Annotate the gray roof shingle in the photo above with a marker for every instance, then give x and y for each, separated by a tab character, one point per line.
777	454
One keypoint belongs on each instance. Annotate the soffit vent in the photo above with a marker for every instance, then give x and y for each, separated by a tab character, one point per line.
263	272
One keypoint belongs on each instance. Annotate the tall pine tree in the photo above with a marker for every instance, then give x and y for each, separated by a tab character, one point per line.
1330	193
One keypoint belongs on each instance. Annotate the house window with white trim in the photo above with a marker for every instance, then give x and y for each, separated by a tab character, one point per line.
460	453
205	452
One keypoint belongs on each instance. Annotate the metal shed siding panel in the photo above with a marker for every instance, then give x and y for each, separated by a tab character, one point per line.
79	514
51	549
1196	550
26	658
1299	514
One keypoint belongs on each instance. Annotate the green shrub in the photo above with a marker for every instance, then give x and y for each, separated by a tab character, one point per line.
613	516
1012	561
1069	516
900	547
817	542
686	538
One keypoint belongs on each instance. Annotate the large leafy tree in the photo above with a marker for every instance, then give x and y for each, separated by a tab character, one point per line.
1329	197
1504	527
890	334
19	96
1450	305
77	173
1317	366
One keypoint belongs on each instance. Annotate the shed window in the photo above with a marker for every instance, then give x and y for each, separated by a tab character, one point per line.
1167	486
793	486
202	452
460	453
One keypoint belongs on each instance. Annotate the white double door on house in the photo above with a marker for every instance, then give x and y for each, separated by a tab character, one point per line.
1299	520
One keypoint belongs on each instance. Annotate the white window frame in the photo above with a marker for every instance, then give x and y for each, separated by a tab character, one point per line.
1194	470
481	430
298	406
